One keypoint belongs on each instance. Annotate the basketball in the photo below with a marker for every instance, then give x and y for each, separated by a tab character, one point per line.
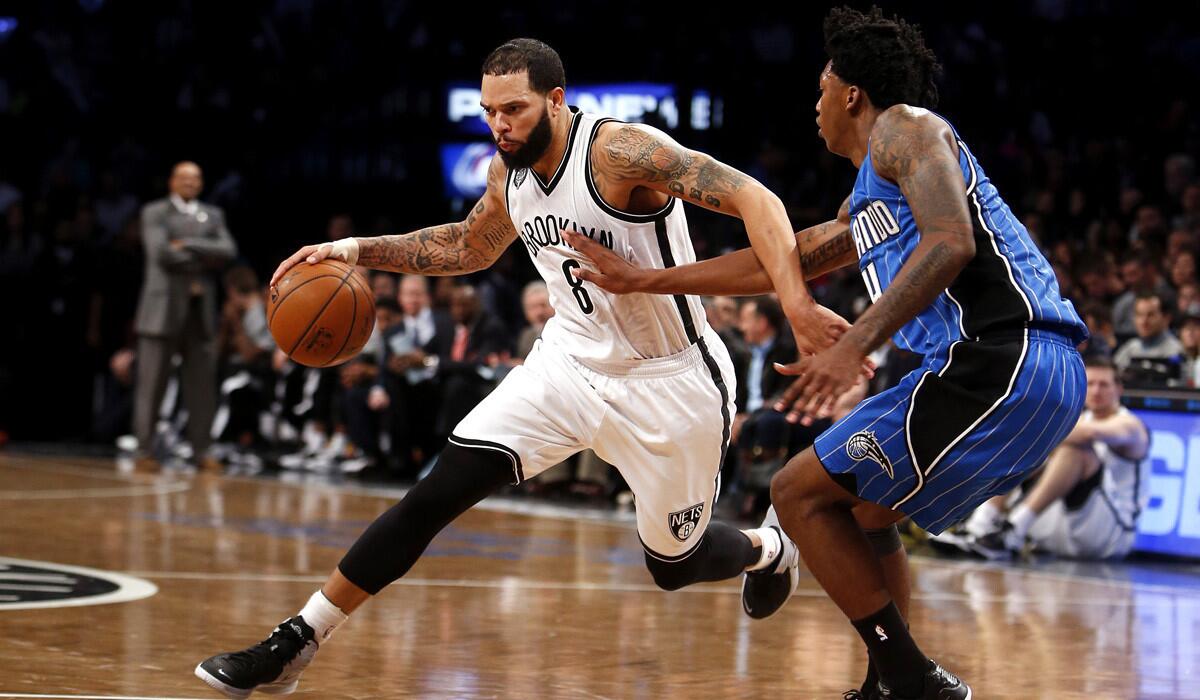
321	314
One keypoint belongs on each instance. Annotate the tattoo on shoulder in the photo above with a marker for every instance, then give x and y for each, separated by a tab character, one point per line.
634	153
897	146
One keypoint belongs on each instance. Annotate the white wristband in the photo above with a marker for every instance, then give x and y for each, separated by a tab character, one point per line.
345	249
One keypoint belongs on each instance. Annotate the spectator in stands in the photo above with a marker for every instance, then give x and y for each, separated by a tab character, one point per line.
1189	217
1154	341
411	349
535	302
245	347
1182	269
1085	501
366	396
114	414
468	367
1189	299
723	315
1189	338
1178	241
1141	276
185	242
383	285
762	434
1098	281
1101	339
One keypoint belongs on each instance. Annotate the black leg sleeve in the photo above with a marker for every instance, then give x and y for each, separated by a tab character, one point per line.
723	552
393	543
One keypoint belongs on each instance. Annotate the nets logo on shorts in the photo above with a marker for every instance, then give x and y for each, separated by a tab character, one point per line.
863	445
683	522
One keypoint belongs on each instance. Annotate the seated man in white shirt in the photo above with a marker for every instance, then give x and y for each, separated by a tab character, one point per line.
1085	500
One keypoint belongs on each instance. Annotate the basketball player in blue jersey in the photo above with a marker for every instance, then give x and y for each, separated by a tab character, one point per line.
641	379
953	276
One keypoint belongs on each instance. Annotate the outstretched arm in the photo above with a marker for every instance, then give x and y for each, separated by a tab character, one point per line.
449	249
823	248
628	156
1121	431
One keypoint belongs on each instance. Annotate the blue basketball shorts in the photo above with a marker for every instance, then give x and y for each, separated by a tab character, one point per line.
970	423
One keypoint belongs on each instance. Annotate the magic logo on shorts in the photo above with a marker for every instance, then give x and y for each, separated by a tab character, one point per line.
863	445
683	522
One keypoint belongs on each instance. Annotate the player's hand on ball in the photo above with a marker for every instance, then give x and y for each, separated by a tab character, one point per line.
612	274
345	249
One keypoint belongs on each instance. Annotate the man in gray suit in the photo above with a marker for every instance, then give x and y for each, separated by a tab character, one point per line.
186	244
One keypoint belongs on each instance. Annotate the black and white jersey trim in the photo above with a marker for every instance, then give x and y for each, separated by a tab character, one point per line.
547	188
608	208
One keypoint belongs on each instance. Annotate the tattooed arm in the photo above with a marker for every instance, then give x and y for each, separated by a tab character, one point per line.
448	249
916	150
630	157
823	248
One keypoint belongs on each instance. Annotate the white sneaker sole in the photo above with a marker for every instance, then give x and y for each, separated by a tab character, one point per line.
229	691
220	686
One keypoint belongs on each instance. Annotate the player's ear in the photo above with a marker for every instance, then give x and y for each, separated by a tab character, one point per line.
558	100
856	99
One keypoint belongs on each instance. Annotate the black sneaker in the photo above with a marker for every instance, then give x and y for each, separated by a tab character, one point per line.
998	545
764	592
940	684
869	686
272	666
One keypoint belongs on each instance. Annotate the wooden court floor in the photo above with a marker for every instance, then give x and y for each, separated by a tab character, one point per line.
514	601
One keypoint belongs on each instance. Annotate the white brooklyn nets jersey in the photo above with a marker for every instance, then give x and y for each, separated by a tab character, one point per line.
590	324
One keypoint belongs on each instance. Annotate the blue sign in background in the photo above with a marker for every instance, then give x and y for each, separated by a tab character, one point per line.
1170	522
464	168
629	102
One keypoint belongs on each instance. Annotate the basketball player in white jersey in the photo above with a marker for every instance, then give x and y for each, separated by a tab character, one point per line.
641	379
1086	500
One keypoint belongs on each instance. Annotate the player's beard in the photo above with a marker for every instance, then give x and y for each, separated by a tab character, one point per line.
534	147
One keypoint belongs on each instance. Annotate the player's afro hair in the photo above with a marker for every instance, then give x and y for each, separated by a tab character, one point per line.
885	57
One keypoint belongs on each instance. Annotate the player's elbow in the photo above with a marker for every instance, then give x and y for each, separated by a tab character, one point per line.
758	193
960	248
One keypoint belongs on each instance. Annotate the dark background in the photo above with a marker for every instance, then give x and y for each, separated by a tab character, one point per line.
301	109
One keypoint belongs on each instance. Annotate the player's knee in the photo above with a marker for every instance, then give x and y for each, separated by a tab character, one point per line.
670	575
884	541
787	484
794	486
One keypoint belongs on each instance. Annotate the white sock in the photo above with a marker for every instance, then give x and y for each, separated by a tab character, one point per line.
984	519
323	616
1022	519
771	546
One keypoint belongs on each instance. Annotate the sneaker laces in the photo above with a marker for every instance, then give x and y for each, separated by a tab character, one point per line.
273	653
941	675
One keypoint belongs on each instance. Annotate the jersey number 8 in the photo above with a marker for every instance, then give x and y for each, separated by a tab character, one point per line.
576	284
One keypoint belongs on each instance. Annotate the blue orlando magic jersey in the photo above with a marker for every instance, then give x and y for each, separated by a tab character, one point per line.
1007	285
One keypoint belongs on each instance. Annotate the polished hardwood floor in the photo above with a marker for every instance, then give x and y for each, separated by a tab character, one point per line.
520	601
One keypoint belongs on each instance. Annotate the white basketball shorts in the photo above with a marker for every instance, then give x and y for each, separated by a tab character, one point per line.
664	423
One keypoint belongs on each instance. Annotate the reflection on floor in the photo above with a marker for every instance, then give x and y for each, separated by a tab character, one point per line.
517	599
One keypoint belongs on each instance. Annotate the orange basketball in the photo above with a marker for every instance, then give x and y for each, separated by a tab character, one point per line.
322	314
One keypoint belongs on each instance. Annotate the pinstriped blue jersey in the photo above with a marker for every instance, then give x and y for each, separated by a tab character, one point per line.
1008	284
